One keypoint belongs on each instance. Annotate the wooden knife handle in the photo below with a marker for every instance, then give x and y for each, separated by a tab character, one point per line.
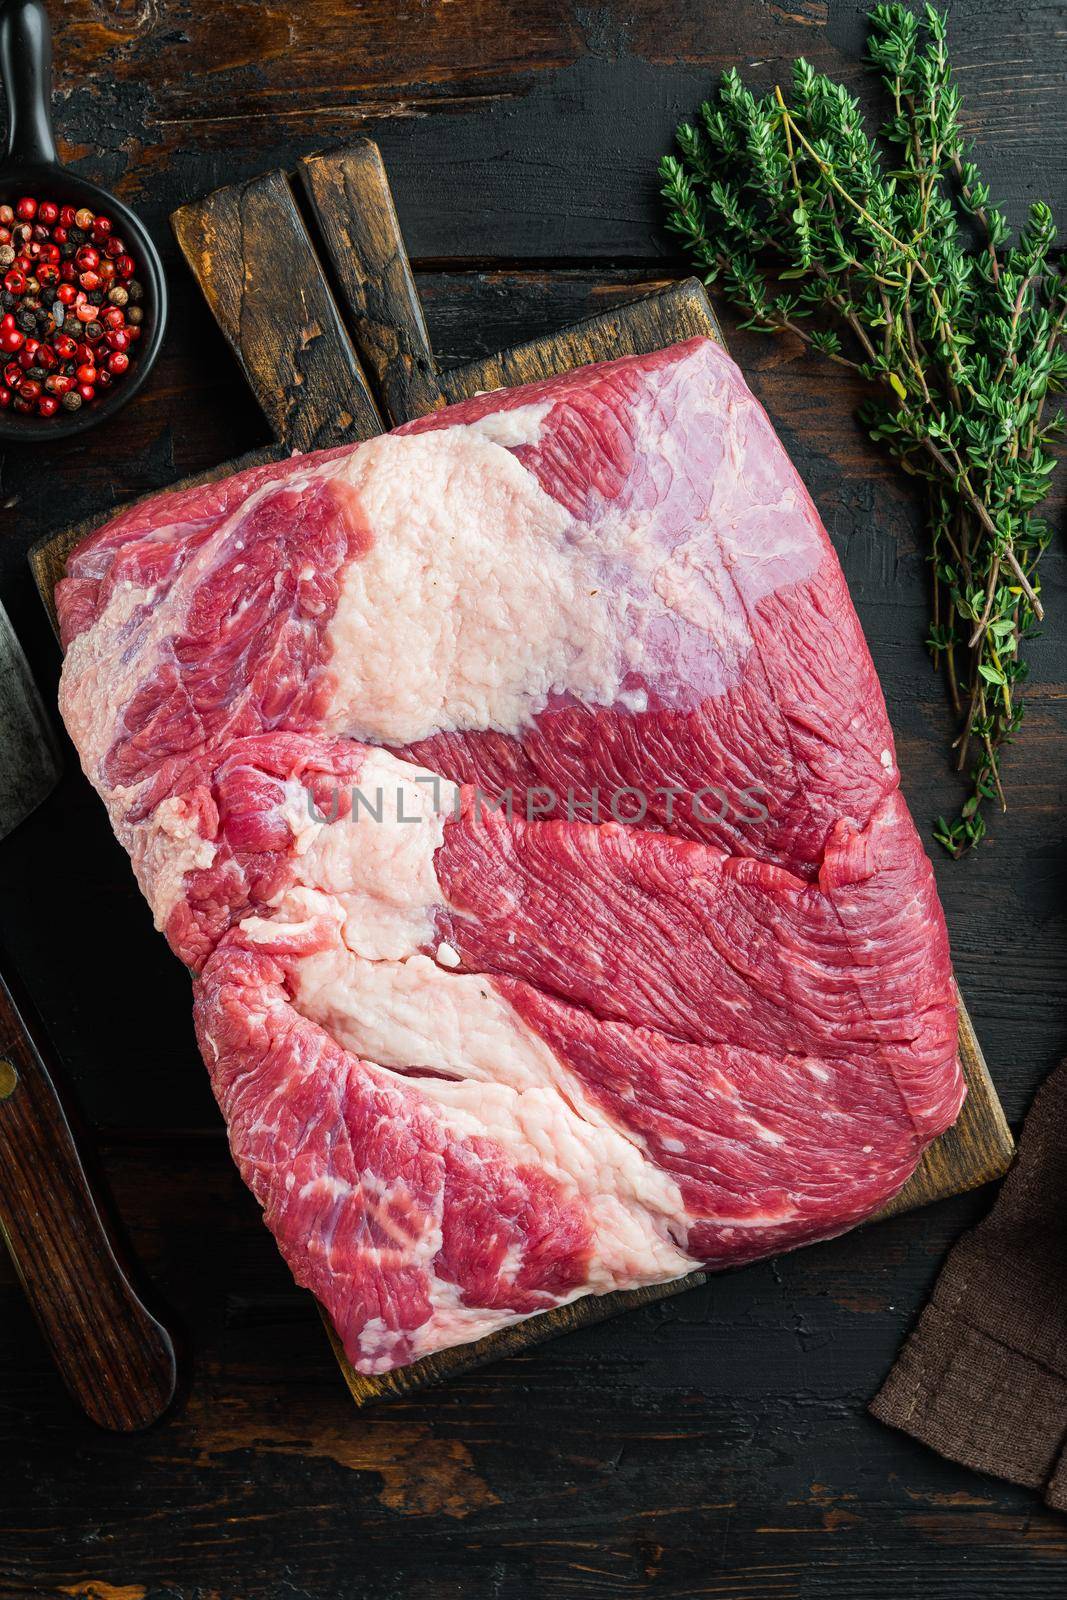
116	1359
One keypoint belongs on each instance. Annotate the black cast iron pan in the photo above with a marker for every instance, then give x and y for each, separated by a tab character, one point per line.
32	166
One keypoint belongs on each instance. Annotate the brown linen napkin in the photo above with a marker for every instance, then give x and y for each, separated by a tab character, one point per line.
983	1378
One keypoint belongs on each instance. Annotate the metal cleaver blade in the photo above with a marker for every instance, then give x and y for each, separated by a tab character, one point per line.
29	753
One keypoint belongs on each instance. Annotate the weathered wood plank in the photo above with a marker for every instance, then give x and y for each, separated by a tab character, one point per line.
509	131
682	311
712	1443
354	208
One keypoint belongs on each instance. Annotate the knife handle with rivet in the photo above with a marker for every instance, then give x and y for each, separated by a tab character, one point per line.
115	1357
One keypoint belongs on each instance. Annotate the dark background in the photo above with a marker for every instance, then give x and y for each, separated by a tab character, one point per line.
713	1445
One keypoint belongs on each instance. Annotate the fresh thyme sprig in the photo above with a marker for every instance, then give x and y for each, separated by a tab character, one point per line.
887	257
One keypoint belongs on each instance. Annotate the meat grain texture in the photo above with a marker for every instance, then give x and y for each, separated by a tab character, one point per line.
518	789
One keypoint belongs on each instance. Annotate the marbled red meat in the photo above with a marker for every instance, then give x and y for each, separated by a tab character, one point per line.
519	790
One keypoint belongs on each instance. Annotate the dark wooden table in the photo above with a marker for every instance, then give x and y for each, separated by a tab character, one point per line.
714	1445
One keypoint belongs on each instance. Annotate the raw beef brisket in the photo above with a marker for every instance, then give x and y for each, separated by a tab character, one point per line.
519	790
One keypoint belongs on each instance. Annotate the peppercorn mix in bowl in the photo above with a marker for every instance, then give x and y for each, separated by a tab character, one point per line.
71	307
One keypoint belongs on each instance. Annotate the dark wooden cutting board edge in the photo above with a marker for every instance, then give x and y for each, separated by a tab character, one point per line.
979	1147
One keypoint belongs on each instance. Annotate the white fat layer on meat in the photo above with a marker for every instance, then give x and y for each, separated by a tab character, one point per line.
522	425
165	851
102	670
470	560
508	1086
499	600
377	868
353	925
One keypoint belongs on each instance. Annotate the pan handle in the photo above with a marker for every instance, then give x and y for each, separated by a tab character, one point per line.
26	70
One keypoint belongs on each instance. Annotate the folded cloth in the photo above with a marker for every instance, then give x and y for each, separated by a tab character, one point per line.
983	1378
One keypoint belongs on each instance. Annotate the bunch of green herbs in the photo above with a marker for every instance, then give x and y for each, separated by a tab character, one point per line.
887	257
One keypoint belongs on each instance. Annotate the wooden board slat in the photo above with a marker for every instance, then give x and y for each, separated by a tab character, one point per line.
976	1150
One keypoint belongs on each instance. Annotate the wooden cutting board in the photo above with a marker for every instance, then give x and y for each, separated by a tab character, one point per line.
349	356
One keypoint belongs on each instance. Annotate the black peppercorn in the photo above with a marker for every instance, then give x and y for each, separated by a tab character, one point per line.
135	292
25	321
76	236
38	374
72	400
66	250
94	331
134	316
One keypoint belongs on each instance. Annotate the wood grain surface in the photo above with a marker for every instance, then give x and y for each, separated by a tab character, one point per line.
716	1443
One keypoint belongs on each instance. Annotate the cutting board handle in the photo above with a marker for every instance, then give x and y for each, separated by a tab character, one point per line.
115	1357
254	260
329	362
354	208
